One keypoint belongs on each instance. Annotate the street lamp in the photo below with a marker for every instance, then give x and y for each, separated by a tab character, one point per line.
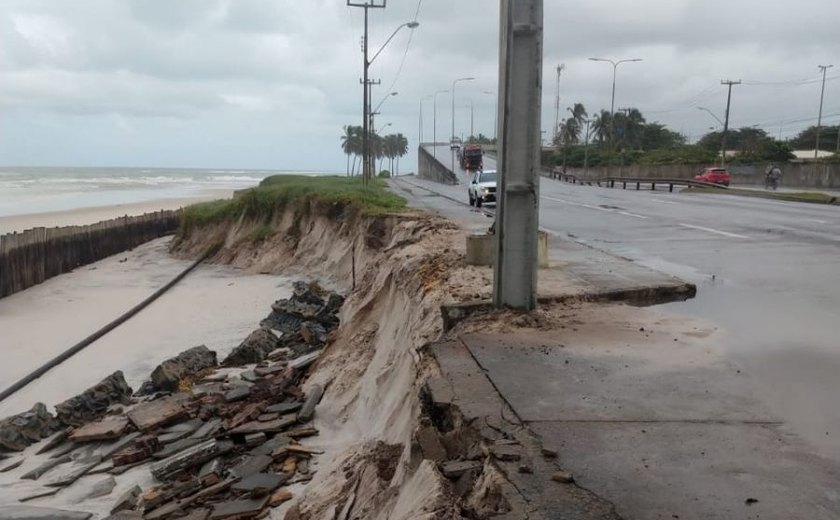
615	65
453	115
376	110
367	5
711	114
383	127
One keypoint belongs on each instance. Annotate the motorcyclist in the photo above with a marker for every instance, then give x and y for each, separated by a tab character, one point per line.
773	177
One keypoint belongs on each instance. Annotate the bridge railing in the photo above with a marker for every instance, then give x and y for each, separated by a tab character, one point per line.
610	182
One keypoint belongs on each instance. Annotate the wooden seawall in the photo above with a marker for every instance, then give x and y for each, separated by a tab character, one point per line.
35	255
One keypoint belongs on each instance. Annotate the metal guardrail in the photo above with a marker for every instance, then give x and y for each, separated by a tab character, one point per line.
610	182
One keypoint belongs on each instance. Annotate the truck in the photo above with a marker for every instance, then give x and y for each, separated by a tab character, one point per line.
472	158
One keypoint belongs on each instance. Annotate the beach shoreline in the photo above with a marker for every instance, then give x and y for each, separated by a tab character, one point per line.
92	215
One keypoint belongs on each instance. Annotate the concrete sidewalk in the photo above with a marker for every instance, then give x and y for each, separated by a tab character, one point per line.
659	427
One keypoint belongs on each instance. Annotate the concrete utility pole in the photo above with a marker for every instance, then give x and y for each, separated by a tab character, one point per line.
824	69
557	104
726	120
520	93
366	5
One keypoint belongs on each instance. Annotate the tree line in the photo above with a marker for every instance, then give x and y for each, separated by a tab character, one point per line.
583	140
391	147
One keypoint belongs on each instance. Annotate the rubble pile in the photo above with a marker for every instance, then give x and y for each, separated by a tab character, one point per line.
225	446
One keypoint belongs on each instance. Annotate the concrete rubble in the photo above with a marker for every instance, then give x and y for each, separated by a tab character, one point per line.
220	444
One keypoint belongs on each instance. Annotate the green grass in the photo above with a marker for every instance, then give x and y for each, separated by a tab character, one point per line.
277	193
805	196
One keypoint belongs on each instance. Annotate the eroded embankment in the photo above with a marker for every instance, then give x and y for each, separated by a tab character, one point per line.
404	267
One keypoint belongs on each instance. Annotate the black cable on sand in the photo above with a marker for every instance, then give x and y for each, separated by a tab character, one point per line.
78	347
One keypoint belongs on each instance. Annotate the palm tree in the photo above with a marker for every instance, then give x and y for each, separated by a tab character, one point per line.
601	127
351	144
571	127
401	149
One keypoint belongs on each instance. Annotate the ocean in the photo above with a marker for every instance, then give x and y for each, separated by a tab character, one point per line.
39	190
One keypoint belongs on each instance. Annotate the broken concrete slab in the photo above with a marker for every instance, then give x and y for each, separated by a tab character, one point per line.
127	500
154	414
211	472
261	483
252	440
127	440
278	441
102	488
126	515
40	513
456	468
109	428
189	458
506	453
284	408
304	361
300	433
250	465
239	509
73	473
265	427
270	370
431	447
176	447
247	413
307	411
238	394
208	429
10	465
55	441
39	494
36	473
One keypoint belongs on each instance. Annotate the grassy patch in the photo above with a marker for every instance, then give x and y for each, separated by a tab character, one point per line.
805	196
276	193
261	233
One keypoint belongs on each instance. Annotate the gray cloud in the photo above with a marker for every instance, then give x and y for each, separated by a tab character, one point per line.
135	81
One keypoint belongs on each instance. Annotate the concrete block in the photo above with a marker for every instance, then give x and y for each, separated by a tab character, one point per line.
481	249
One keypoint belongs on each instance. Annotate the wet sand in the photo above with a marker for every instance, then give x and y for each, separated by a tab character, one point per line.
84	216
216	306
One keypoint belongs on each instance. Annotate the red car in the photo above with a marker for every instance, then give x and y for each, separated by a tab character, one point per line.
715	176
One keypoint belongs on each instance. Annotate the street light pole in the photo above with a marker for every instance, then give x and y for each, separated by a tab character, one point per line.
615	65
824	69
726	120
434	117
711	114
453	116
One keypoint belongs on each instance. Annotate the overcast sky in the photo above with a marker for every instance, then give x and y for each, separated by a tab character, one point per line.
268	84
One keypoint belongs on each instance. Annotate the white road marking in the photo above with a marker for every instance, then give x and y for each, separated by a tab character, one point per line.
589	206
715	231
818	221
665	201
632	214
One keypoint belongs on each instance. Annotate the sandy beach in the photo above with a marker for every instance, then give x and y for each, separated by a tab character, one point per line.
92	215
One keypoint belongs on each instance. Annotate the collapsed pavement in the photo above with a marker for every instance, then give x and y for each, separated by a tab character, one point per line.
221	440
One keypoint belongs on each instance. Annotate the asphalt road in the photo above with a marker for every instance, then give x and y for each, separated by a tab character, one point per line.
767	273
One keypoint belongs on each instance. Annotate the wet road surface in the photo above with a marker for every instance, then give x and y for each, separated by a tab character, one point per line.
767	273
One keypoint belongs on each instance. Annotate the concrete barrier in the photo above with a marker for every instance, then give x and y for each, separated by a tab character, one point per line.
429	168
481	249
